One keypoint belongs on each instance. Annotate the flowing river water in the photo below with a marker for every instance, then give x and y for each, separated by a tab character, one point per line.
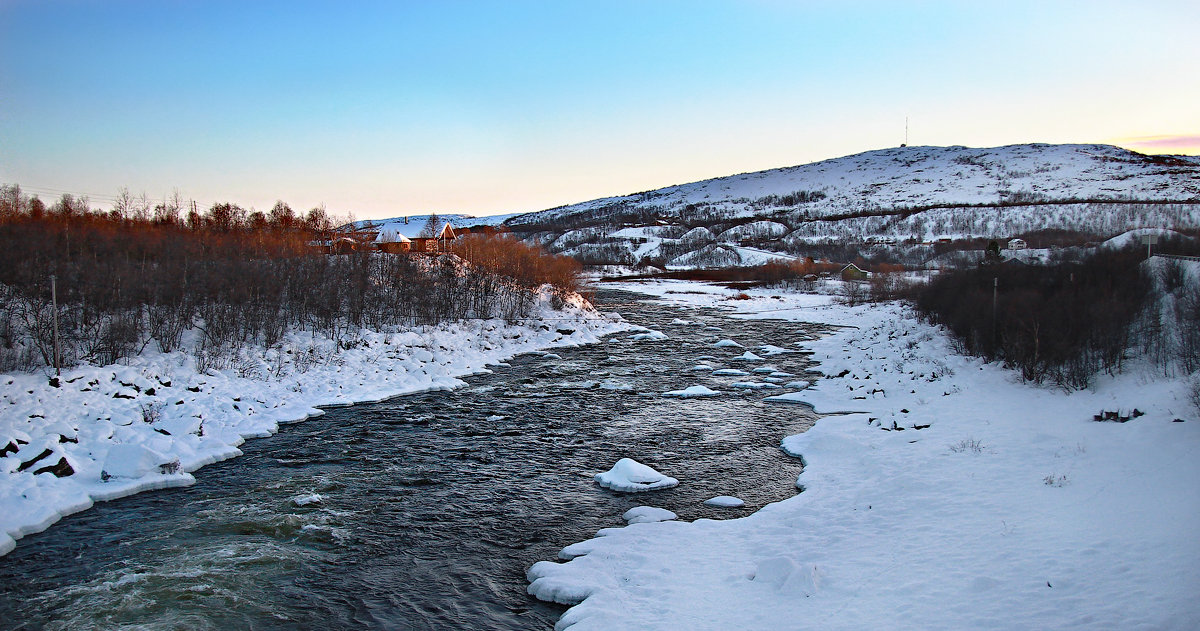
432	505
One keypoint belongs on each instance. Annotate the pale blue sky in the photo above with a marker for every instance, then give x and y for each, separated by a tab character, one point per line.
390	108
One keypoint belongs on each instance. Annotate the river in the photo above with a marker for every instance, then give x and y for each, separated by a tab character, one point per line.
432	506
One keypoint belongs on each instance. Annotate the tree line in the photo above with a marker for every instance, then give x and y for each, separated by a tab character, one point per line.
212	282
1065	322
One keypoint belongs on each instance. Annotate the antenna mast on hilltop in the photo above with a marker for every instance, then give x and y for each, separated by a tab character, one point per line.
905	132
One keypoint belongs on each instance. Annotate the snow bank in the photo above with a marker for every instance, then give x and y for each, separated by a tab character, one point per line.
631	476
111	431
956	497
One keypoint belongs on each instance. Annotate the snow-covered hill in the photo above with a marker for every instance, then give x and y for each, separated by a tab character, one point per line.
413	223
904	194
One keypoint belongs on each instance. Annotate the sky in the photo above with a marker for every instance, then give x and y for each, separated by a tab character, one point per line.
382	109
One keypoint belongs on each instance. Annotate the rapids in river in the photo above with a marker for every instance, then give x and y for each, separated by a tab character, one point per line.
424	511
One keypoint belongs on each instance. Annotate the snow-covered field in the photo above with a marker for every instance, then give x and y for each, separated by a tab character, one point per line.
150	422
947	496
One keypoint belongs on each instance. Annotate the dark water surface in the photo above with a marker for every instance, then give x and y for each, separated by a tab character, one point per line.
430	512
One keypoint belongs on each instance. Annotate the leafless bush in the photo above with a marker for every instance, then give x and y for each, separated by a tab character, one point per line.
853	293
151	412
1056	480
965	445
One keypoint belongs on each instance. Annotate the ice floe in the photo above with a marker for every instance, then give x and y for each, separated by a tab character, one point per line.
692	391
747	357
724	501
753	385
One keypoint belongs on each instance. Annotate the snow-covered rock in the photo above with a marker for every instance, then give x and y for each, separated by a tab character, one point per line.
631	476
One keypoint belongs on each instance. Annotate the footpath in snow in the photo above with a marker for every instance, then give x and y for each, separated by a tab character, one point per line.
148	423
940	493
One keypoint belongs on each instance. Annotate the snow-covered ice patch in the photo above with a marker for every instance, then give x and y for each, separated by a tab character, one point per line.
650	336
631	476
646	514
730	372
790	397
724	501
753	385
747	357
727	344
692	391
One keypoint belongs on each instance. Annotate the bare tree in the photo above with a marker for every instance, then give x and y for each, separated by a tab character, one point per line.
431	226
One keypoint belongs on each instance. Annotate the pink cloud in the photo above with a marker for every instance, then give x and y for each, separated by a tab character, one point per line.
1166	142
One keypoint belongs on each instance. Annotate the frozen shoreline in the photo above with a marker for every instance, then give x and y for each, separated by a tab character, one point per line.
149	423
953	497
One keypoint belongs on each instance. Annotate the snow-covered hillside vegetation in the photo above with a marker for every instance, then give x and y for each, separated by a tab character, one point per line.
890	203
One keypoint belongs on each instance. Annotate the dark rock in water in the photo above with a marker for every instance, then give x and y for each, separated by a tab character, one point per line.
60	470
29	463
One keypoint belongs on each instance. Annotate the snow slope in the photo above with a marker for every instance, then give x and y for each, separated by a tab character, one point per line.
923	176
915	194
410	226
948	495
149	423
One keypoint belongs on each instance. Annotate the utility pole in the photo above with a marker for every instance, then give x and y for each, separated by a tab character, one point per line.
54	302
995	290
1149	240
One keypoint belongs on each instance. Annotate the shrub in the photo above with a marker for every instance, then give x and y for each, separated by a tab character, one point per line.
528	264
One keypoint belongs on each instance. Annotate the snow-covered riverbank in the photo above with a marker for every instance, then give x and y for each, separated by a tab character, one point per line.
150	422
950	496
